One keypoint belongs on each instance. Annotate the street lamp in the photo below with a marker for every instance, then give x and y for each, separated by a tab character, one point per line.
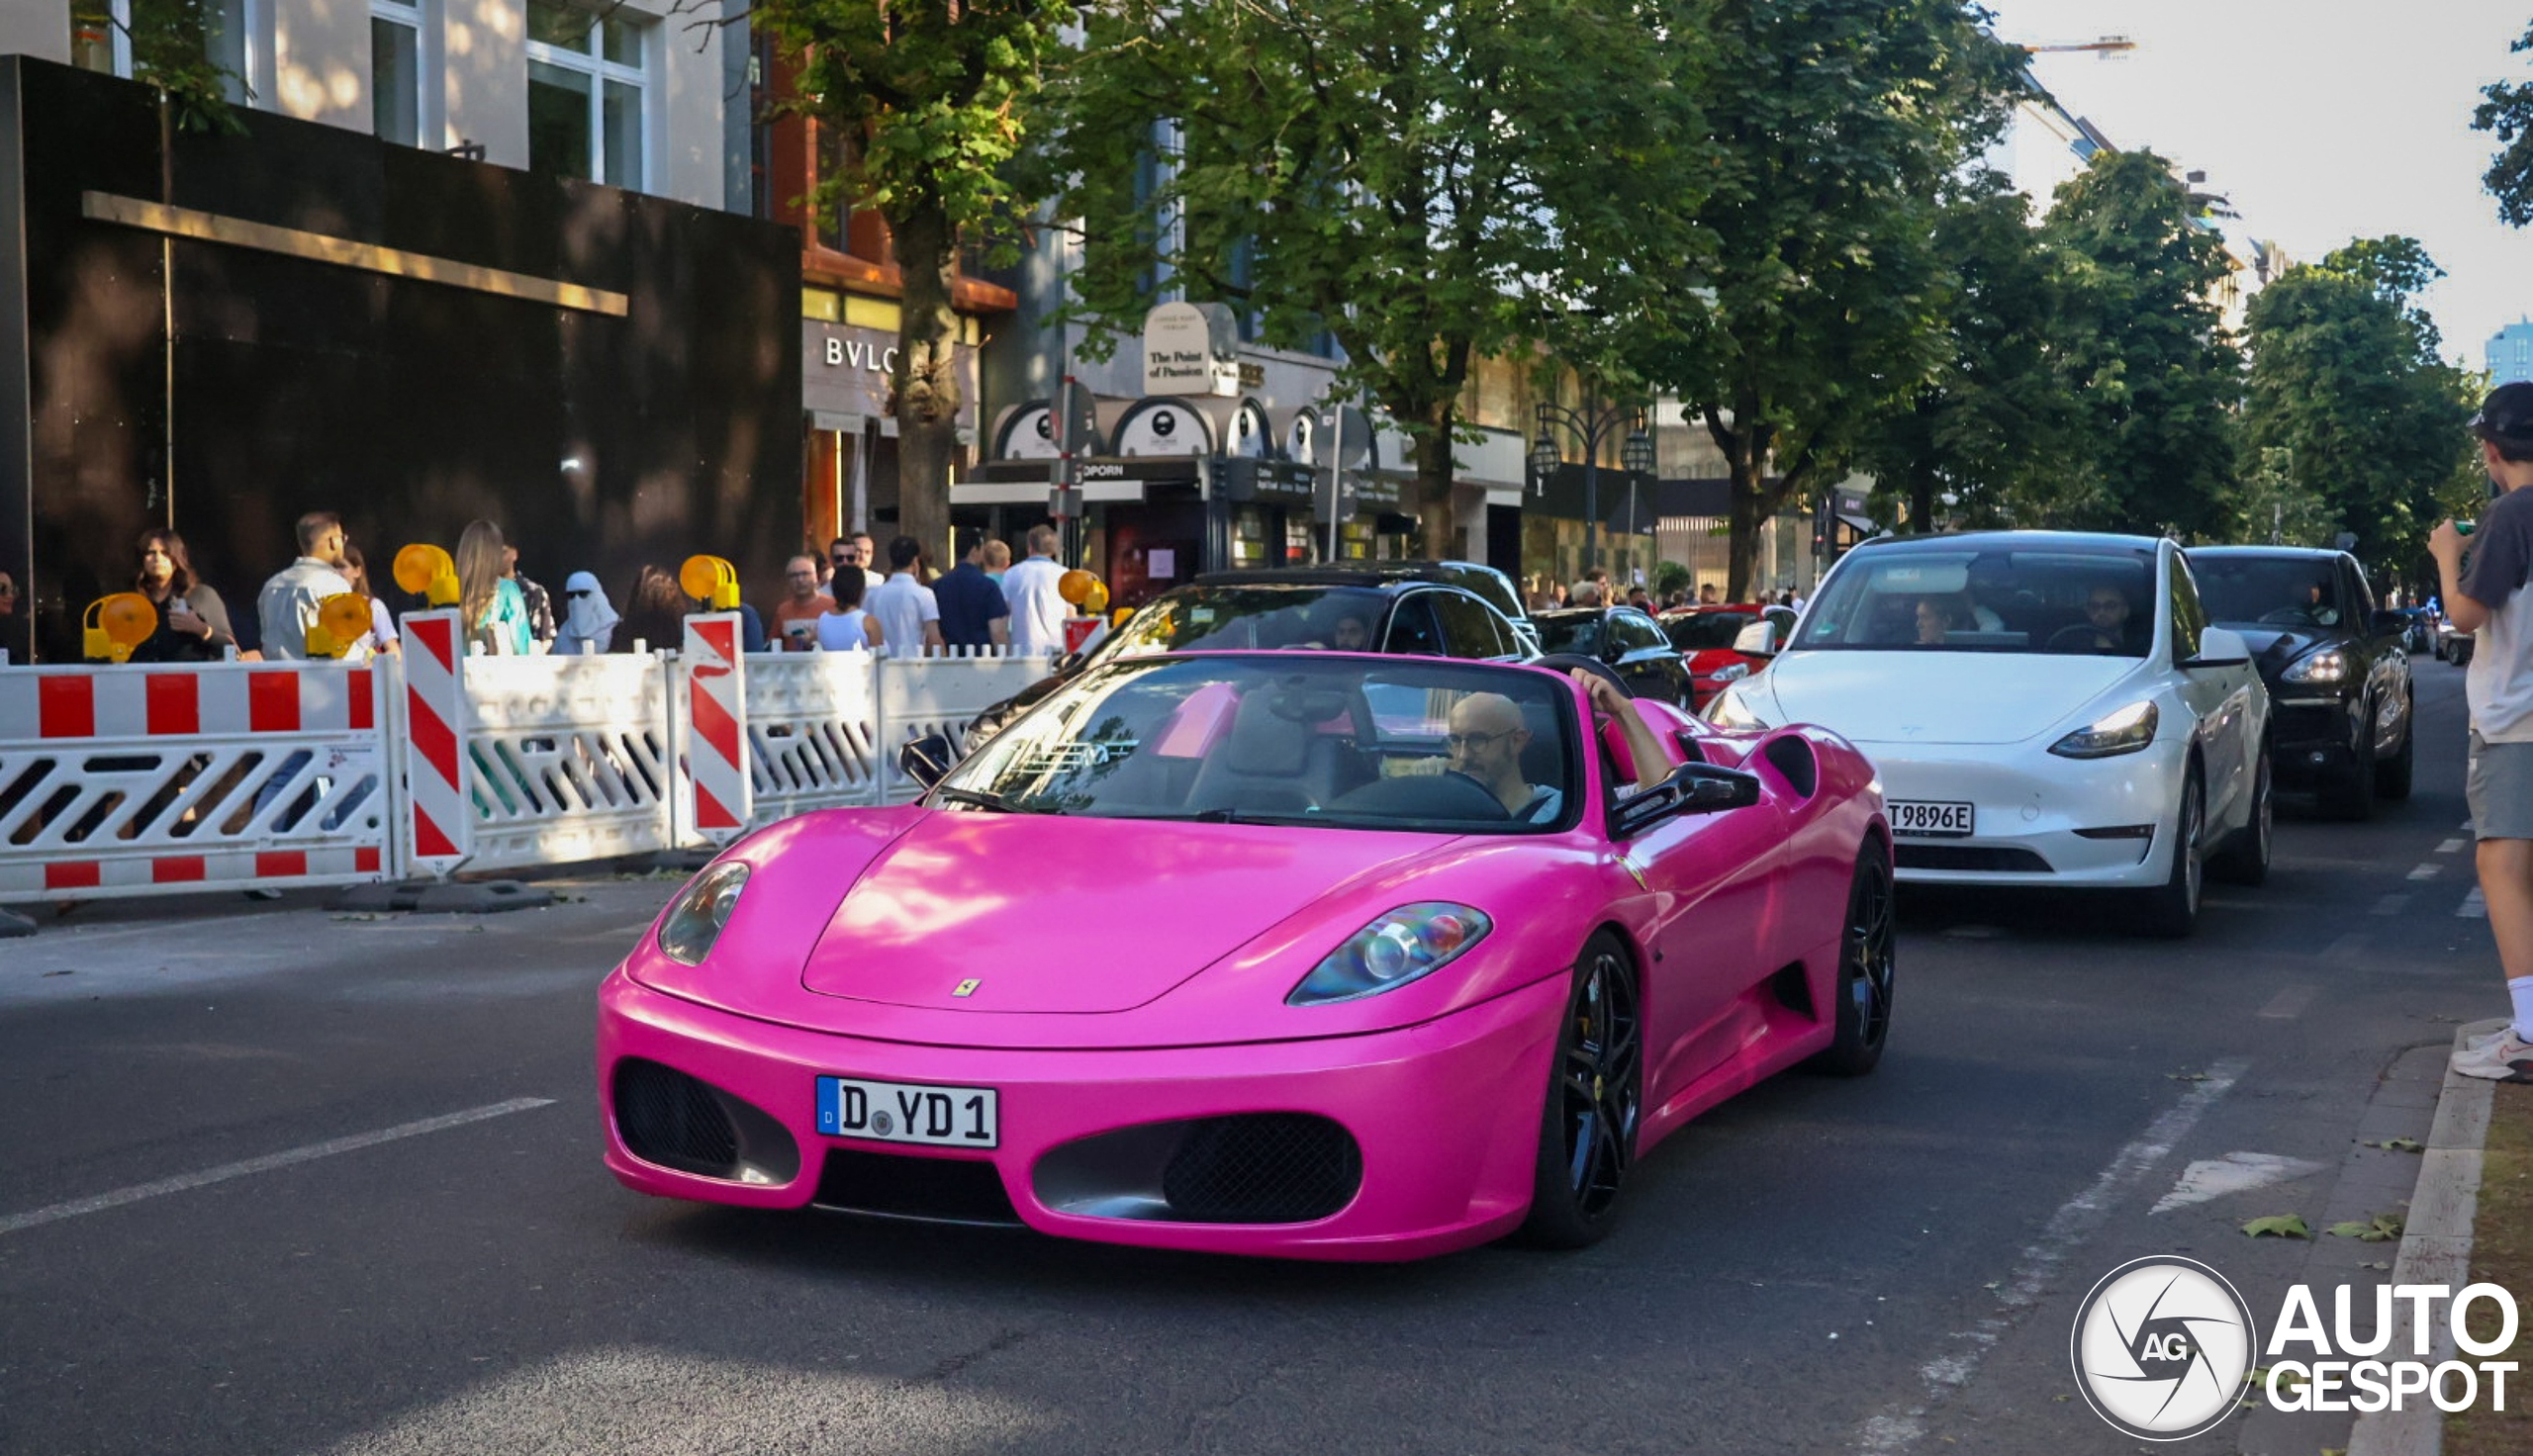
1592	426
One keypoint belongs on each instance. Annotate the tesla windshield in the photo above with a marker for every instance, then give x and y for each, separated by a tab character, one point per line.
2273	591
1963	599
1344	743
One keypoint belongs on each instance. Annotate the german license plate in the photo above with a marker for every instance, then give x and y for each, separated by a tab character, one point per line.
1933	820
908	1112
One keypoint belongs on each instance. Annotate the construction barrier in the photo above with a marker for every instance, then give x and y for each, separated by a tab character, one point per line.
128	779
131	780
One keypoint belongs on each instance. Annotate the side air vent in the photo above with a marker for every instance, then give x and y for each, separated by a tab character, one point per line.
1792	757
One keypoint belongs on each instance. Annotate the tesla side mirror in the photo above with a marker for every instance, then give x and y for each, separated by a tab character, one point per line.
1691	788
2220	646
926	760
1759	639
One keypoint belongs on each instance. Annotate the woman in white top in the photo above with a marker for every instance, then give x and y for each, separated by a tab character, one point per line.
849	628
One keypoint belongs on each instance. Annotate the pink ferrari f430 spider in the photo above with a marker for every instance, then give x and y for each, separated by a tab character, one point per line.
1313	956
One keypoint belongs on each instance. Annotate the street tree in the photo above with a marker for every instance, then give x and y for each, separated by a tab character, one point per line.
2146	353
2347	382
171	45
2507	109
934	101
2277	509
1840	124
1429	184
1986	438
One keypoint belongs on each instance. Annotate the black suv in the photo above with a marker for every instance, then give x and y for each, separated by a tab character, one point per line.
1415	608
1627	641
2337	673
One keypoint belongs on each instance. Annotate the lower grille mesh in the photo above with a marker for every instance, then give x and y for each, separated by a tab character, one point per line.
1970	856
670	1119
1263	1168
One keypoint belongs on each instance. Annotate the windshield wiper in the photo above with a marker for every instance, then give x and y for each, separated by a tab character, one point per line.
999	803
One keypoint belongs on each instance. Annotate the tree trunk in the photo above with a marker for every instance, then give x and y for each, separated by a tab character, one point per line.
1742	556
1922	500
1434	488
924	388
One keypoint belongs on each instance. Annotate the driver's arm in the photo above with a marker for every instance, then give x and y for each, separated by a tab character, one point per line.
1643	748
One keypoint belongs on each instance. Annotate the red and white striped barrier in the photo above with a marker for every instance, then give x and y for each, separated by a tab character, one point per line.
138	780
716	758
437	820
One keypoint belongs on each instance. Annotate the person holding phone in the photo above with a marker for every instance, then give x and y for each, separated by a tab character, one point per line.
193	622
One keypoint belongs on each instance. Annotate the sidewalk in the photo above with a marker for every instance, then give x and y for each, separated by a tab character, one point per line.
2471	1221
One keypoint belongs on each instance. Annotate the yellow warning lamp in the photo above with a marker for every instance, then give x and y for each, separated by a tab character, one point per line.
710	581
427	571
1095	600
114	625
342	620
1075	584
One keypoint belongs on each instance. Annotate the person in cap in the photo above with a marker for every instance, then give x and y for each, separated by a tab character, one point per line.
2485	591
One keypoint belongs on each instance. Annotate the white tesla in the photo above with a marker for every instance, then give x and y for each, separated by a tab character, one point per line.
2045	708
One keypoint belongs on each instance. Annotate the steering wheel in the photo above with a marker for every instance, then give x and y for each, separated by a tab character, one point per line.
1563	662
2075	634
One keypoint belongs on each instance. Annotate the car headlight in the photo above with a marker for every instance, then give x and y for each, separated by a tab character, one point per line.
2122	732
1409	942
694	920
1730	673
2328	665
1728	710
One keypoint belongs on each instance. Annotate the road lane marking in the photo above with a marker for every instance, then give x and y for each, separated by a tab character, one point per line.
1899	1426
2235	1172
2472	907
2392	904
2450	846
18	1222
2289	1004
2426	872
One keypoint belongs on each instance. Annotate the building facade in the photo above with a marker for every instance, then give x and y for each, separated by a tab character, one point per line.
2510	353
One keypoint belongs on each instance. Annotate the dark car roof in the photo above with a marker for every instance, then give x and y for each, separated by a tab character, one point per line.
2031	540
2281	553
1370	574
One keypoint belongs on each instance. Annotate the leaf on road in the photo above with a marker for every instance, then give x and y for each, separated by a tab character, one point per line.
2187	1077
2399	1144
2382	1228
2278	1226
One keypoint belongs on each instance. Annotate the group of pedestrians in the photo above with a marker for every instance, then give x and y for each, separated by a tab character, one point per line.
987	601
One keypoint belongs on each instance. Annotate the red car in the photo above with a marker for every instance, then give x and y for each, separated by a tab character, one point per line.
1705	636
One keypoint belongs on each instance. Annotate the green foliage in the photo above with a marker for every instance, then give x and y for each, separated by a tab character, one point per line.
2506	109
2155	378
2277	511
170	44
1839	124
1431	184
2348	398
2279	1225
1671	577
2380	1228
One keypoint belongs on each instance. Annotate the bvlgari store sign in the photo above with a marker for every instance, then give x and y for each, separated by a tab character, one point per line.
845	369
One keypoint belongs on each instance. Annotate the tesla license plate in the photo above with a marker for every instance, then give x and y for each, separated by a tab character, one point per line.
908	1112
1931	820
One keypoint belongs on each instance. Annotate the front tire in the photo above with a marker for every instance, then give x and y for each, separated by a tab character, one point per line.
1867	962
2393	776
2171	911
2351	795
2246	860
1595	1103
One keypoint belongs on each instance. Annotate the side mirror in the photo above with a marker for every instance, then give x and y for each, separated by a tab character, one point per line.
2220	646
2391	623
1759	639
1692	788
926	760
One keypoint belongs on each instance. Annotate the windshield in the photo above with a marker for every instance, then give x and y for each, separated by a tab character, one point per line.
1580	633
2097	601
1698	631
1346	743
1344	618
2271	591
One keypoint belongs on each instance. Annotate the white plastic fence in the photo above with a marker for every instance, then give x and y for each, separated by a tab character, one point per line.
126	781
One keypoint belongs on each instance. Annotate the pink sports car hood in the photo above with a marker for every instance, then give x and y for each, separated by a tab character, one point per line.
1050	913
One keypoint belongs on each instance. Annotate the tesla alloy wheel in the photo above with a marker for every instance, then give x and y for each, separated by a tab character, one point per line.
2172	909
1867	956
2246	860
1595	1100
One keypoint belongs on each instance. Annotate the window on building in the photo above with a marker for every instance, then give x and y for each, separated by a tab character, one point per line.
586	92
396	71
100	40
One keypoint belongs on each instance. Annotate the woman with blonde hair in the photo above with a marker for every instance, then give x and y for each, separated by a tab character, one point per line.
488	602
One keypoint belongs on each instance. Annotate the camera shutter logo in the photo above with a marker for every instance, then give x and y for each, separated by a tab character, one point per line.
2162	1346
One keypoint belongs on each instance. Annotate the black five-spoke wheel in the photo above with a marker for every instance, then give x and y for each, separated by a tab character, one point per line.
1588	1136
1868	960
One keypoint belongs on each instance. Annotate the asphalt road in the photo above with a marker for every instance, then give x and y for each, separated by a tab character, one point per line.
1882	1266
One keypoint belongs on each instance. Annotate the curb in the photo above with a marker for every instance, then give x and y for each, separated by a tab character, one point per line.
2436	1248
14	925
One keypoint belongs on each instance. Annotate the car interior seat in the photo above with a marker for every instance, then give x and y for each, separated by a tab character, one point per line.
1275	761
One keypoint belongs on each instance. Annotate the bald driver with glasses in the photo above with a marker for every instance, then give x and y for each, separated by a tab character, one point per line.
1487	735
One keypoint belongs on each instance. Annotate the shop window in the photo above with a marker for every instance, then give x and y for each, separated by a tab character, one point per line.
587	87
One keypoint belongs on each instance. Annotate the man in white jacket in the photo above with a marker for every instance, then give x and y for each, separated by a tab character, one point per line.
1038	612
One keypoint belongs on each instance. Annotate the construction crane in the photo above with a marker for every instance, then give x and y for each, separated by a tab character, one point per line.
2105	47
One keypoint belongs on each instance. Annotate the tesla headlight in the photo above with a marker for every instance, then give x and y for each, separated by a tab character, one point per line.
695	921
2122	732
1409	942
1730	711
2330	664
1730	672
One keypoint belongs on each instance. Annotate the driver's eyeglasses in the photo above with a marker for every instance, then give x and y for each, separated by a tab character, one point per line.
1474	740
